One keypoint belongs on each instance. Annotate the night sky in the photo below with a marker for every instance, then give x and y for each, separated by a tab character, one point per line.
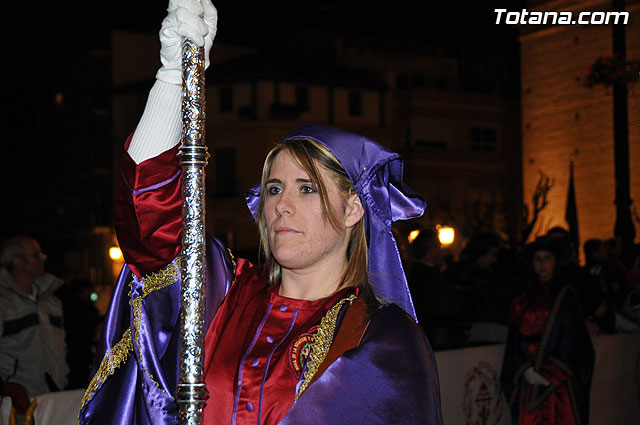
53	33
67	26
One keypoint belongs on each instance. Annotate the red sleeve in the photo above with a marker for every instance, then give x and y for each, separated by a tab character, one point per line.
148	211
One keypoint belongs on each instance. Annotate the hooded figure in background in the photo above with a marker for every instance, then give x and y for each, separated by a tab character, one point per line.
549	358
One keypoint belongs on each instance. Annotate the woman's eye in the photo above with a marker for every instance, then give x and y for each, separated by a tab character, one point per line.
273	190
307	189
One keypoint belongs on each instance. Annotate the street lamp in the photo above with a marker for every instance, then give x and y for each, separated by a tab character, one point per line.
446	235
115	253
413	235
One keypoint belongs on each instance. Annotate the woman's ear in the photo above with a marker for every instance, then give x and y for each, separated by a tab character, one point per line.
354	211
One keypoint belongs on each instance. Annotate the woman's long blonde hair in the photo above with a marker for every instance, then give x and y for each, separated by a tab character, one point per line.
307	153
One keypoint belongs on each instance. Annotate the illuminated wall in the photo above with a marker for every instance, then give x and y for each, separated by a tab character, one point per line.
561	119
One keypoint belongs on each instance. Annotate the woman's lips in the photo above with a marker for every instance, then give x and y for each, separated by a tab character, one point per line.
285	230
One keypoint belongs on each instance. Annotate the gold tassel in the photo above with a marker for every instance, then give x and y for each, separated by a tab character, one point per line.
28	416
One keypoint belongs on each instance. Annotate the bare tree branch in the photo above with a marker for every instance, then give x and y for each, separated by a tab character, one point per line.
539	201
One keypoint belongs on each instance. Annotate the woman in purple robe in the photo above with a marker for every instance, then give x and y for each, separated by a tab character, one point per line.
323	333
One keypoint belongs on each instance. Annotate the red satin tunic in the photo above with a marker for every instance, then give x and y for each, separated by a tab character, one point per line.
255	350
532	318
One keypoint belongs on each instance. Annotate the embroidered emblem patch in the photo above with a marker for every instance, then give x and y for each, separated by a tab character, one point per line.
482	396
299	351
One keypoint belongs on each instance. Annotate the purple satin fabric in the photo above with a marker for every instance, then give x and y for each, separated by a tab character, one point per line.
129	396
377	176
390	378
141	391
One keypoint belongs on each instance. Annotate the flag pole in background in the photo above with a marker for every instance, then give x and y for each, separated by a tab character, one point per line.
192	392
571	211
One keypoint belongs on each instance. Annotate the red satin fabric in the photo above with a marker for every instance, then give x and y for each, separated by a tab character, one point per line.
253	339
149	223
555	410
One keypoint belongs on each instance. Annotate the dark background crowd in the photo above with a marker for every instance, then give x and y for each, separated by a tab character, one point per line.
467	302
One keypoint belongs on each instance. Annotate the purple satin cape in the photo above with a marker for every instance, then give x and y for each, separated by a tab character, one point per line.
376	174
390	378
139	385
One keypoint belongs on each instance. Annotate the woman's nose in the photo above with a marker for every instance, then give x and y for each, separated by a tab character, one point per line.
285	206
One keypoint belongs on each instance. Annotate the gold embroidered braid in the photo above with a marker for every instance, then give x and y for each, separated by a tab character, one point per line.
119	353
233	260
112	360
136	305
322	342
150	283
162	278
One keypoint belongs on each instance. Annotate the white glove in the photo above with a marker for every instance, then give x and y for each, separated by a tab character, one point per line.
534	378
160	126
192	19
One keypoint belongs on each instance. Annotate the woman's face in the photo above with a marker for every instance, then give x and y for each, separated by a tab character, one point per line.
544	264
301	238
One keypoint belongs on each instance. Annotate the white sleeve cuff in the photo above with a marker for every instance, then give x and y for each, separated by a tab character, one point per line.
160	127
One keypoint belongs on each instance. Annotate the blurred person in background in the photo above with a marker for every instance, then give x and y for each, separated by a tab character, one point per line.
437	303
32	337
549	357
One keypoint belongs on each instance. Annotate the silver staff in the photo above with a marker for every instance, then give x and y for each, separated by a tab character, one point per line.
192	392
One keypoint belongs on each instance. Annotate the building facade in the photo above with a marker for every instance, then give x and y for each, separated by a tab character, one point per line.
564	121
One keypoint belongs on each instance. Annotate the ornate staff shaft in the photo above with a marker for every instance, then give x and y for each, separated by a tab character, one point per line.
192	392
